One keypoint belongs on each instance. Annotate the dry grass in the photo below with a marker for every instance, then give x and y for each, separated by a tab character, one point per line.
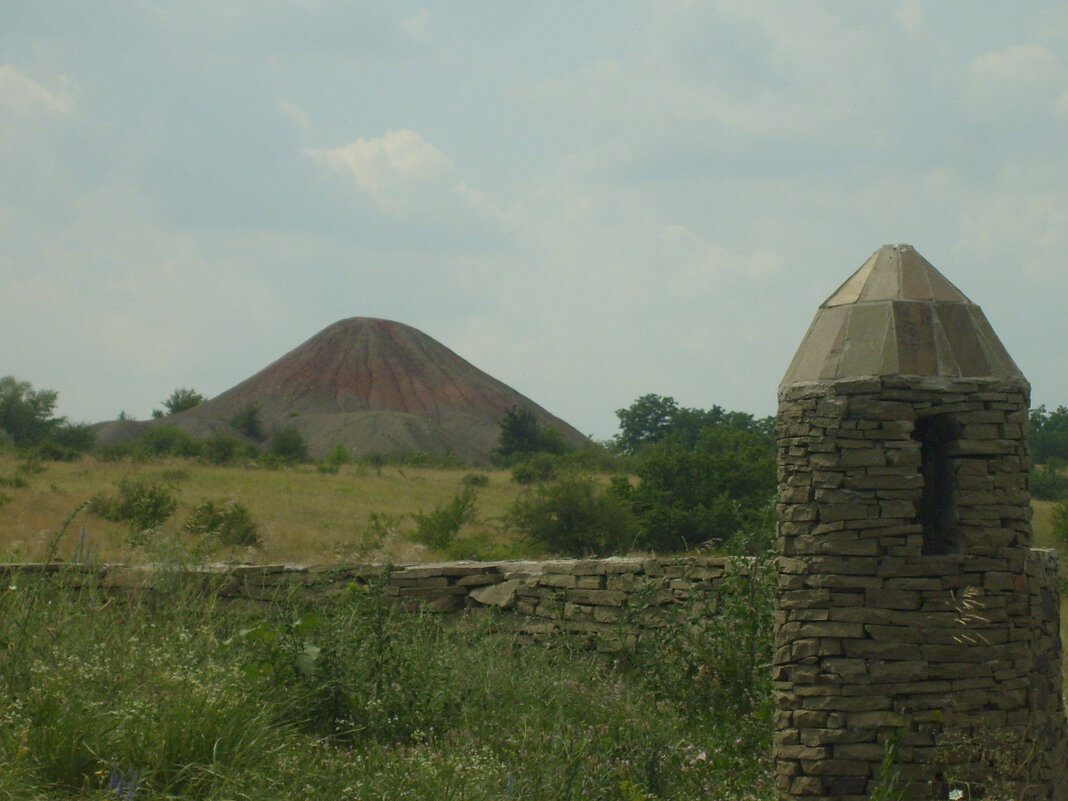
303	515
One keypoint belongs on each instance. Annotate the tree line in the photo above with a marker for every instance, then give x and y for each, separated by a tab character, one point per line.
673	478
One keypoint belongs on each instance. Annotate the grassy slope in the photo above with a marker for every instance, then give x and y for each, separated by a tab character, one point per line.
303	515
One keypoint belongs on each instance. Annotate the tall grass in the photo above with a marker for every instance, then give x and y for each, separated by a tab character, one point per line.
162	696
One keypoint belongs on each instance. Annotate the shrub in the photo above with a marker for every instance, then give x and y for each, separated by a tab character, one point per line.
167	440
688	496
229	522
540	467
1059	522
76	437
288	445
438	528
52	451
477	480
223	449
521	436
338	456
143	504
247	421
574	517
1048	481
182	399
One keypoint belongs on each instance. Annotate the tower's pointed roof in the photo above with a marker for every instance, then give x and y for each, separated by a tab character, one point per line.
898	315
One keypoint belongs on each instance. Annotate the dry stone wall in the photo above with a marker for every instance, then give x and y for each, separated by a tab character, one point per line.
598	601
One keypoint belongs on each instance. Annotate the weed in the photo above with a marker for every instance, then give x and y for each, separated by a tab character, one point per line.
477	480
143	504
228	522
437	528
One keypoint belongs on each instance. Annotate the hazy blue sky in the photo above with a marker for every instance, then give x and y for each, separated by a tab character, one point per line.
588	200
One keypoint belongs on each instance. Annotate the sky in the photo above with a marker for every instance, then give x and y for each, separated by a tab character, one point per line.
590	201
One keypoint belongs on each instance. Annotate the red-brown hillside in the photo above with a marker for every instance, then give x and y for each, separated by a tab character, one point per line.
375	386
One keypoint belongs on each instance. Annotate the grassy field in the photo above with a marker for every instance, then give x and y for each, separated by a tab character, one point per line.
302	515
120	700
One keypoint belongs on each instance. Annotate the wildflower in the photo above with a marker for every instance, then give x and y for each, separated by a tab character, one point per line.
956	794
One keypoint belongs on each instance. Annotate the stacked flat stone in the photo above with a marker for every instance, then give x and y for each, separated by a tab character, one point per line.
604	604
907	647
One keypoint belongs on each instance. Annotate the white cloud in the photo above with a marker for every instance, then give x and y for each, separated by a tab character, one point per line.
27	96
408	177
401	157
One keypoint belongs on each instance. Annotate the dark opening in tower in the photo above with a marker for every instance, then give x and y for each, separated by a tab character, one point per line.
937	507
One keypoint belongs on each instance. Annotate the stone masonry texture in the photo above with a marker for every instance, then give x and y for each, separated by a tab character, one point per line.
947	658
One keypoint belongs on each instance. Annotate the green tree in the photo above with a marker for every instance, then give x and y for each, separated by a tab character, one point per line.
521	436
1049	433
288	445
26	414
575	517
248	422
687	496
182	399
653	418
647	420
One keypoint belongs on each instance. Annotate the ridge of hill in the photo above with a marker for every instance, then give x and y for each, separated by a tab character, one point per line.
373	385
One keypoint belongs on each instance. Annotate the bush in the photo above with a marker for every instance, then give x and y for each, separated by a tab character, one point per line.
167	440
338	456
247	421
1059	522
287	444
143	504
52	451
477	480
521	437
182	399
229	522
540	467
223	449
76	437
689	496
438	528
574	517
1048	481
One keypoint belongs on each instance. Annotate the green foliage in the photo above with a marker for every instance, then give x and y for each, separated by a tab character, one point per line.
477	480
1048	481
182	399
167	440
538	468
574	517
26	414
65	443
438	528
719	487
714	656
287	444
654	418
143	504
1059	522
228	522
338	456
1048	433
521	436
248	422
189	700
222	449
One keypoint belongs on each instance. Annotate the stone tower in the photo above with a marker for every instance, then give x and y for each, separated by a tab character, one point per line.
917	638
